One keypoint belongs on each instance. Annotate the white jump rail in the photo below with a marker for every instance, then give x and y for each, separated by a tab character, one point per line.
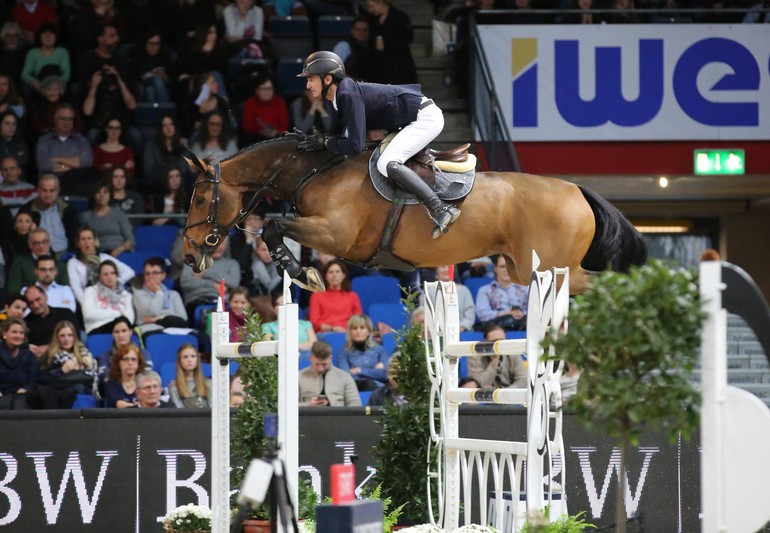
459	460
286	348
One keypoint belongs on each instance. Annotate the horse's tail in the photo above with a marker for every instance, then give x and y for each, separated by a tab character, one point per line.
616	244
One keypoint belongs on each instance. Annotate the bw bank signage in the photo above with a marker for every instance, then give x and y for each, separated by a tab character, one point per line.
121	473
632	82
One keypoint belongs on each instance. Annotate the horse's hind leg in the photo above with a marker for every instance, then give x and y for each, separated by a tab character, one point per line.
285	261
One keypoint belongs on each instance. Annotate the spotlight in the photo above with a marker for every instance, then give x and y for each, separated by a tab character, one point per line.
663	182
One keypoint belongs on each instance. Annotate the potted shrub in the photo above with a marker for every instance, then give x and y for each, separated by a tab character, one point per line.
635	338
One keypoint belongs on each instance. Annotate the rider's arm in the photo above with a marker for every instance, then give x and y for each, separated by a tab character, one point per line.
353	126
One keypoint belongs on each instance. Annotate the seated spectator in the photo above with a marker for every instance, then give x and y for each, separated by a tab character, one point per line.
587	15
307	336
265	275
174	200
112	153
13	49
15	307
67	369
206	97
122	334
237	394
464	300
120	389
331	310
110	98
83	268
13	191
239	301
502	302
106	301
151	68
10	99
164	152
66	153
188	16
243	247
148	390
190	388
18	366
244	22
468	383
97	23
356	51
265	114
498	371
214	141
16	241
308	114
389	393
157	306
56	216
42	110
322	385
124	196
59	295
22	272
49	58
623	13
203	287
12	142
42	319
365	359
110	225
32	15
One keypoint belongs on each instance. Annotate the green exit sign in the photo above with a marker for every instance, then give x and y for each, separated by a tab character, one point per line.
711	162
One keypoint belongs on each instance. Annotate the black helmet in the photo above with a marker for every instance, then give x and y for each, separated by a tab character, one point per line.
321	64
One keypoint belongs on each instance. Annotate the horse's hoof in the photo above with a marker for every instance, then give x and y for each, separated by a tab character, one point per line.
310	280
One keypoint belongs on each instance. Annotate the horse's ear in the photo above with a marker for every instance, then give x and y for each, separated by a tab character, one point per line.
194	161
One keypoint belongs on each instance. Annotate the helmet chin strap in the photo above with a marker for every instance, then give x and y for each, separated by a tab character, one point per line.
325	87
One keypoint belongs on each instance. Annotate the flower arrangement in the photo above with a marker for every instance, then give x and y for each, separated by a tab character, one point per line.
188	519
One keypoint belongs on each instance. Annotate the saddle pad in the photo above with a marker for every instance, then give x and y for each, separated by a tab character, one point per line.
450	186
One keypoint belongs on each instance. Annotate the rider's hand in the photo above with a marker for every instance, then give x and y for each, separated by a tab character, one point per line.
312	143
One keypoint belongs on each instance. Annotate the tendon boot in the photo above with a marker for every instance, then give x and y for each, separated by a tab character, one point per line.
441	213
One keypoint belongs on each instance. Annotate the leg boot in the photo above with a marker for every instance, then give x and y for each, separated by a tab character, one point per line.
441	213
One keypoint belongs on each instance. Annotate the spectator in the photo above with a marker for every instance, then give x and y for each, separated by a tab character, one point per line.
56	216
464	299
322	385
205	99
13	191
110	225
42	319
93	60
265	275
106	301
174	201
48	59
67	369
59	295
83	268
237	394
13	50
11	141
468	383
89	22
14	307
32	15
244	249
112	153
214	139
357	52
120	389
65	153
306	337
42	110
163	153
22	271
189	16
10	99
759	12
124	196
18	366
239	301
498	370
148	390
190	388
16	242
244	22
151	68
308	113
265	114
109	99
122	335
392	34
587	15
331	310
502	302
389	393
157	306
202	58
623	13
363	358
203	288
524	12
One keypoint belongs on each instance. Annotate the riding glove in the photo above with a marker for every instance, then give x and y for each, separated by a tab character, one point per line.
312	143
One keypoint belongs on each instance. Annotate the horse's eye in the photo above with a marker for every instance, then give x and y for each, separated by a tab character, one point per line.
200	200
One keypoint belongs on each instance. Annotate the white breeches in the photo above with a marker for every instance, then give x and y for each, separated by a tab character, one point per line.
413	137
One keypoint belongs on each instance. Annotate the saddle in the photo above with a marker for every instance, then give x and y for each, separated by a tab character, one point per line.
425	162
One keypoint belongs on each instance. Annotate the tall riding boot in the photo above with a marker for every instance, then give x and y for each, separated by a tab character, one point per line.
441	213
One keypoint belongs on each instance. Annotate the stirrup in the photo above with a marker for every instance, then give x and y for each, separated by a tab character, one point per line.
310	280
442	227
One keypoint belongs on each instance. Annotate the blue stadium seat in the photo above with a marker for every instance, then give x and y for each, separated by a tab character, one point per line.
376	289
163	347
289	84
392	314
136	260
336	340
471	336
98	343
291	36
148	114
157	240
85	401
331	29
364	395
167	373
474	284
198	313
462	368
389	342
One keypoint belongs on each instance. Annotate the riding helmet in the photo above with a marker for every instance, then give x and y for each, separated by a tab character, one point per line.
323	63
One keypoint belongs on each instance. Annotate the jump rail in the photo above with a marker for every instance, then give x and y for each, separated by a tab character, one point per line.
459	460
286	348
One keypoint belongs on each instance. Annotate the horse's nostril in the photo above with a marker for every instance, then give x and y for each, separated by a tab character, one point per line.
190	260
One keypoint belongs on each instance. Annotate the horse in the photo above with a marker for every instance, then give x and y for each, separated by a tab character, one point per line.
341	213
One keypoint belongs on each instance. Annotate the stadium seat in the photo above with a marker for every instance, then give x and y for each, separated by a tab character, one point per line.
376	289
336	340
163	347
474	284
167	373
85	401
135	260
148	114
98	343
199	315
364	395
331	29
157	240
471	336
389	343
289	85
392	314
291	36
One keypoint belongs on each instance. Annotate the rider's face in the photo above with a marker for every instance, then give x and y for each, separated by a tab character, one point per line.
314	86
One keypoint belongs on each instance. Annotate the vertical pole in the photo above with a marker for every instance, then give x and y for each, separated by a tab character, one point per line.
451	318
220	423
288	389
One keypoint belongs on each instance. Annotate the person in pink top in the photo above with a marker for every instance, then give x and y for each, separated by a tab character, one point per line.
331	310
239	301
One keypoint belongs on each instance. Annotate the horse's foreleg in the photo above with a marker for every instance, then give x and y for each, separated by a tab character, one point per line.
285	261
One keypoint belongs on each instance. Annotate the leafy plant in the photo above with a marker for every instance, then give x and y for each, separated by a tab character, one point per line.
307	498
565	524
403	445
635	337
389	516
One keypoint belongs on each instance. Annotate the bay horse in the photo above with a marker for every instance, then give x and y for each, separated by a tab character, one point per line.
341	213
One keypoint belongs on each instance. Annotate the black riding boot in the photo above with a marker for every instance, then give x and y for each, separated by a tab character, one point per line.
441	213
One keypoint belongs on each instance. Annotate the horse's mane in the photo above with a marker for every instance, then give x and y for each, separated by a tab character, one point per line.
287	136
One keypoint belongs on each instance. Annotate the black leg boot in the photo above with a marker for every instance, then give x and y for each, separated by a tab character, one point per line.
441	213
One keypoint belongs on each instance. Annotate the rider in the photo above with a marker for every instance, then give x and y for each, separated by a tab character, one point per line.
356	107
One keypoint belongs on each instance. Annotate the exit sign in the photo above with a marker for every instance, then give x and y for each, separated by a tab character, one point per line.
711	162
